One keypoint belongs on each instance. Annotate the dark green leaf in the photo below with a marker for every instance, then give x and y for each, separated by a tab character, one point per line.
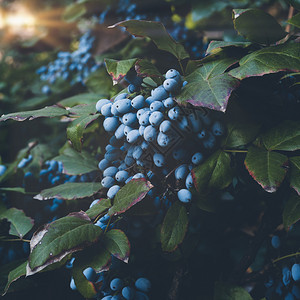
214	173
98	208
266	167
54	241
225	291
174	227
295	173
204	9
213	45
269	60
117	69
145	68
74	11
75	163
257	26
48	111
295	20
117	243
84	109
70	191
157	33
285	136
86	98
100	82
20	224
130	194
295	3
76	129
13	189
291	212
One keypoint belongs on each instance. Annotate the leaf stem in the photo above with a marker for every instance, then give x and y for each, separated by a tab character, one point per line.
107	225
181	67
235	151
286	256
15	240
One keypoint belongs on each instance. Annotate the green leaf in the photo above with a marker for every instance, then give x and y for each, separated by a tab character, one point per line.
84	109
117	69
85	98
208	86
266	167
257	26
295	20
48	111
14	275
74	11
157	33
76	129
145	68
117	243
295	173
130	194
100	82
20	224
75	163
214	173
70	191
269	60
54	241
98	208
285	136
215	45
13	189
295	3
291	211
225	291
174	227
95	257
204	9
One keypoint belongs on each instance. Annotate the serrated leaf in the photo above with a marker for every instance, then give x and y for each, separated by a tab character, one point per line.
225	291
174	227
291	211
269	60
267	168
54	241
95	257
130	194
204	9
117	243
157	33
74	11
117	69
70	191
20	224
295	20
75	163
257	26
208	86
98	208
14	275
285	136
214	173
295	173
214	45
48	111
76	129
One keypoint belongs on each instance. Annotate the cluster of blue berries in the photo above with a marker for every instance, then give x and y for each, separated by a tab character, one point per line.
154	133
72	66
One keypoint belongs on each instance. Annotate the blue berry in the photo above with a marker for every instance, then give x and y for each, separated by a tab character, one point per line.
159	93
296	272
143	284
128	293
184	195
121	176
150	133
197	158
2	169
159	160
110	171
107	182
111	193
156	118
181	172
116	284
111	124
138	102
275	241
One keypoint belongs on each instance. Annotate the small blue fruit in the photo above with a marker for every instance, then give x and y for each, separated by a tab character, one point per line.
181	172
296	272
128	293
107	182
172	85
110	124
218	129
275	241
189	181
121	176
286	276
156	118
143	284
110	171
116	284
184	195
124	106
159	160
133	136
159	93
106	110
103	164
157	106
100	103
150	133
197	158
111	193
138	102
2	169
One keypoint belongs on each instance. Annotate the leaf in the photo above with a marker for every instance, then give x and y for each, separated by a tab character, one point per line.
295	3
257	26
295	20
157	33
76	129
214	45
145	68
214	173
224	291
48	111
174	227
13	189
54	241
84	109
74	11
269	60
117	69
20	224
98	208
70	191
285	136
85	98
204	9
117	243
14	275
75	163
295	173
291	211
95	257
208	86
130	194
266	167
100	82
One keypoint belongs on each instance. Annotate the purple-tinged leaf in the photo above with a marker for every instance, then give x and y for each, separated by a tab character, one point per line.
216	45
